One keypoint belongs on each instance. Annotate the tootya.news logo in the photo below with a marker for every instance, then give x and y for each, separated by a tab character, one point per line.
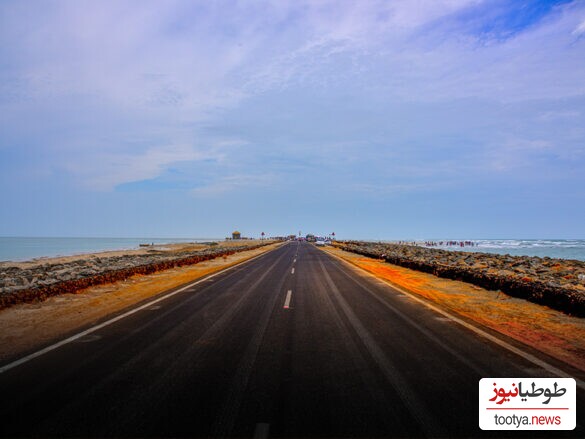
527	403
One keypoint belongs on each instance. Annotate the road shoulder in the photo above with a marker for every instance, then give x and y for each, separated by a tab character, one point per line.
552	332
28	327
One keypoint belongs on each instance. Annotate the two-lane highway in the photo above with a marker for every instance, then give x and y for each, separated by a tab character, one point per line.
293	343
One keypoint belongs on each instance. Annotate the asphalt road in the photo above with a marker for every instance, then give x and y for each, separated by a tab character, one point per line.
349	357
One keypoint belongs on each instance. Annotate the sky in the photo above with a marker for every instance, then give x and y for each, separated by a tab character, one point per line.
404	119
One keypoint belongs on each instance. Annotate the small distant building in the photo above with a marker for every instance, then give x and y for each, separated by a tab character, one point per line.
236	235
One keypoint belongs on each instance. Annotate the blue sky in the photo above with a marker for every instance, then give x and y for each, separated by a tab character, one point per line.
403	119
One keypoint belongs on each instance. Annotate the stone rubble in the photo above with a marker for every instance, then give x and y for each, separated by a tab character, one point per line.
18	285
557	283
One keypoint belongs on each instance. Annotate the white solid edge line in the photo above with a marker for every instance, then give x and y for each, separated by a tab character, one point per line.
115	319
287	300
537	361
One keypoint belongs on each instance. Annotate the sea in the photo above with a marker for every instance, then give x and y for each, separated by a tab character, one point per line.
27	248
552	248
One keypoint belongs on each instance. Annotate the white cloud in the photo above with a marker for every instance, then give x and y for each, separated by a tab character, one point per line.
559	115
233	183
394	49
364	31
105	171
391	189
580	28
168	72
515	154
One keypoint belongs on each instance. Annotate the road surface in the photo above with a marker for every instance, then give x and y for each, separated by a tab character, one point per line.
294	343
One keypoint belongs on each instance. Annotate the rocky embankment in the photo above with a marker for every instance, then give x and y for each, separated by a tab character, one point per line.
18	285
557	283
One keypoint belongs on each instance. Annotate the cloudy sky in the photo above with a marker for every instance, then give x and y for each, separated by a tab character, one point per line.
395	119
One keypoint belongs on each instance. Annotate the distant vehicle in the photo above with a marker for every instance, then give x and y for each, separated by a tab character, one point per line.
319	242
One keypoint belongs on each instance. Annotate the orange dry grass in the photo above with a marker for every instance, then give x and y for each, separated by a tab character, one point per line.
553	332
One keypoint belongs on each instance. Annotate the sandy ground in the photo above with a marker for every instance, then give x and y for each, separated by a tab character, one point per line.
550	331
28	327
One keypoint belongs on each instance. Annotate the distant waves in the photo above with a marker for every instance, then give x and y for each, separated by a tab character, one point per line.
552	248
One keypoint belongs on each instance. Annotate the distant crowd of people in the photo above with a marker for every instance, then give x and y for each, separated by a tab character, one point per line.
440	243
450	244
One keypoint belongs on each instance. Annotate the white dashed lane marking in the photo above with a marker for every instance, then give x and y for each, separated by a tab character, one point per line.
287	300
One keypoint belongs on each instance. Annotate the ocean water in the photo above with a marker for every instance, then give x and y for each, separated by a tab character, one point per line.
552	248
22	249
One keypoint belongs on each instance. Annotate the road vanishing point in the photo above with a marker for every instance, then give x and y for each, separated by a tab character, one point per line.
293	343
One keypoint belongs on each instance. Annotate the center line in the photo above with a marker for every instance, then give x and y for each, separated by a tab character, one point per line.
287	300
292	271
